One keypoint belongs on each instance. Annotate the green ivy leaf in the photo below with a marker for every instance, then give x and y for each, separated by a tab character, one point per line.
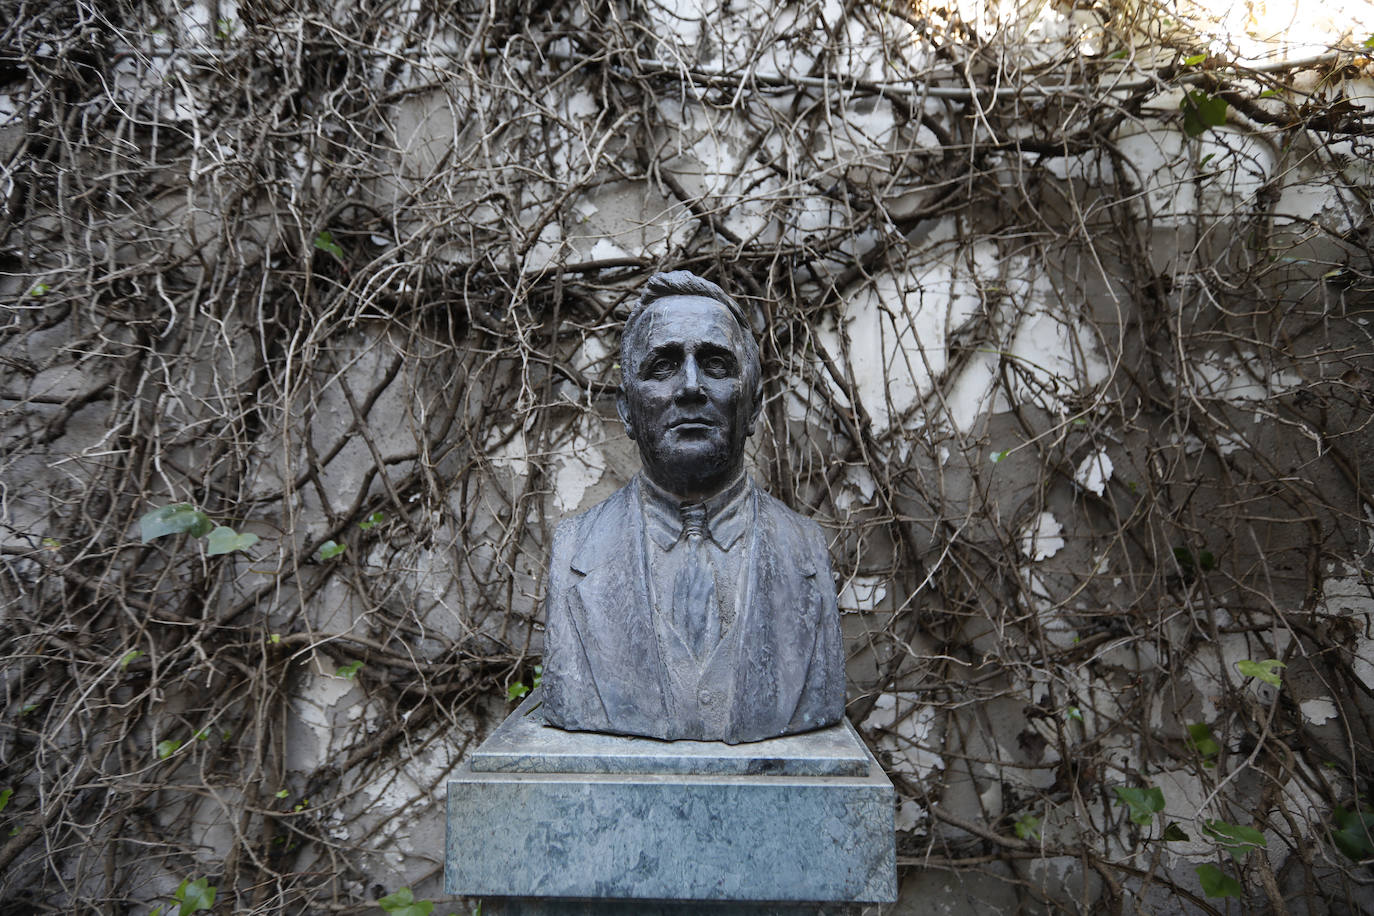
1237	839
372	521
1117	55
175	519
325	242
329	550
1073	712
516	691
5	796
226	540
349	670
1194	60
1201	111
998	456
403	903
1027	827
538	675
402	897
194	896
1201	739
1368	43
1174	833
129	657
282	793
1267	670
39	289
167	748
1268	93
1205	559
1142	803
1352	836
1216	883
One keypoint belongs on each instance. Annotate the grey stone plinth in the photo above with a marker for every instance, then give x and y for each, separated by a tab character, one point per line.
512	906
635	819
524	744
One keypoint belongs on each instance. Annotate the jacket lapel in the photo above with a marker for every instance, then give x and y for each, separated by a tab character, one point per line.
614	603
776	624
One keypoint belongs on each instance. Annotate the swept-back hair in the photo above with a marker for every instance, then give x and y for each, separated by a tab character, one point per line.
686	283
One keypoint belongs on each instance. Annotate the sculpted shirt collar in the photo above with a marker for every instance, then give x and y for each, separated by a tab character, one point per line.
727	513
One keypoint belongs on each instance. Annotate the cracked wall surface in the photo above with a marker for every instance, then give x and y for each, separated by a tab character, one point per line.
1074	372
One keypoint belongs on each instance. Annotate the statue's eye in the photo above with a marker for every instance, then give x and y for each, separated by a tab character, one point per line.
718	366
660	368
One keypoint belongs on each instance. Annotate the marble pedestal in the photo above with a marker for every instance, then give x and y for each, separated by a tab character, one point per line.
545	822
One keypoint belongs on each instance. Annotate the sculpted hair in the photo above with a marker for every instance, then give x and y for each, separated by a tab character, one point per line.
686	283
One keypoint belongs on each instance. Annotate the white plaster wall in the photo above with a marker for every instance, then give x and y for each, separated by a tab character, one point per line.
922	339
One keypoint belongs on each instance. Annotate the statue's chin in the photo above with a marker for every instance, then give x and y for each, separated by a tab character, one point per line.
690	473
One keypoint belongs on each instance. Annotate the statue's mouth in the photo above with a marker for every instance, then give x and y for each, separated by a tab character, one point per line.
692	423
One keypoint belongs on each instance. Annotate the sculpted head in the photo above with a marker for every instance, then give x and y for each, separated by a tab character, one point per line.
691	385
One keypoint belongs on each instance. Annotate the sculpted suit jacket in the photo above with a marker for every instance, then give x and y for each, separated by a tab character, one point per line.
779	668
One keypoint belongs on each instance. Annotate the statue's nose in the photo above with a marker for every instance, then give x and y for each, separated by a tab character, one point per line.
691	378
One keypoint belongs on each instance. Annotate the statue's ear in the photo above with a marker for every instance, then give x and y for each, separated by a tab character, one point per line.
756	408
623	408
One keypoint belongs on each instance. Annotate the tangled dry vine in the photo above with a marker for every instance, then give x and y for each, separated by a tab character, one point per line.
1064	314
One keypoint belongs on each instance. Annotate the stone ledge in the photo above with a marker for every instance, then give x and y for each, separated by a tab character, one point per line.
524	744
526	907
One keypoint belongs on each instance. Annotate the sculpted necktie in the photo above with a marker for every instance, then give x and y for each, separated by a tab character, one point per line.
695	613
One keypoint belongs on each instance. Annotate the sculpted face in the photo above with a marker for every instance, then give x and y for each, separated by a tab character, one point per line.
686	402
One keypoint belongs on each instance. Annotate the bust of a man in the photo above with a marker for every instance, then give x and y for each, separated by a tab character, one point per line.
691	604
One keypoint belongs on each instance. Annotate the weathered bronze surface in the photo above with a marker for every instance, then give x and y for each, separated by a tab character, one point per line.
691	604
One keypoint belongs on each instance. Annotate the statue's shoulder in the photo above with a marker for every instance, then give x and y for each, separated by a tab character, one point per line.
607	518
777	514
618	503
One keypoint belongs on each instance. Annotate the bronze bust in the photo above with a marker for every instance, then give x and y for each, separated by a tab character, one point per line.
690	604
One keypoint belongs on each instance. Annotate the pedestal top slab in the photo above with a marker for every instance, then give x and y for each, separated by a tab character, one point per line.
525	744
